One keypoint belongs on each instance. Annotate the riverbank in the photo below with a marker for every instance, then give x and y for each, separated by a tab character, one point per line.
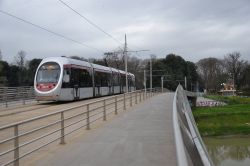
231	119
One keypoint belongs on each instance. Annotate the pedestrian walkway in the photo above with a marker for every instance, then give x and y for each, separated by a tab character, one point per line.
142	136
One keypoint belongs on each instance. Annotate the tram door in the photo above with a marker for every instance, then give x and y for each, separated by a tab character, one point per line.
75	82
98	83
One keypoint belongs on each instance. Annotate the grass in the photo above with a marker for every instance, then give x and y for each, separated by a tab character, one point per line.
230	99
232	119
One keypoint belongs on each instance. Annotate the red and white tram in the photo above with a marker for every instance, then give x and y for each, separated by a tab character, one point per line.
66	79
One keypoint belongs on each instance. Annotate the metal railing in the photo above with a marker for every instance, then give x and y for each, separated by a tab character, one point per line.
190	148
16	94
20	139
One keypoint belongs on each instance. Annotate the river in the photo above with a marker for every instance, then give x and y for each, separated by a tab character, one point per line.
233	151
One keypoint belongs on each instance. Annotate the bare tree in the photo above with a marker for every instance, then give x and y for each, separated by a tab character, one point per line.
114	59
234	66
211	71
20	62
20	59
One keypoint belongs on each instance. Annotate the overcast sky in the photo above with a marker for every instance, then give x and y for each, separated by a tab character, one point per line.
194	29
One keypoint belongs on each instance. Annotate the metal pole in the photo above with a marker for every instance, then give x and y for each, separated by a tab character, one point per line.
135	97
150	73
131	98
104	110
233	84
162	84
16	146
116	112
126	62
62	129
145	81
88	124
140	96
124	101
6	97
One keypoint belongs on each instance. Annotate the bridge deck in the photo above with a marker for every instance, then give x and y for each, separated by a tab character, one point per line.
142	136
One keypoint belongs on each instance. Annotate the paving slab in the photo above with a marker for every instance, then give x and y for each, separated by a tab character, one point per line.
142	136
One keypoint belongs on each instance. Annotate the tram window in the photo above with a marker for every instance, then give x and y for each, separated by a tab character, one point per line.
129	81
123	80
103	79
66	81
85	79
98	79
48	73
115	79
75	77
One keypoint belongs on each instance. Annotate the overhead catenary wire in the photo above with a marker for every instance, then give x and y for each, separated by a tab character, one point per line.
89	21
94	24
50	31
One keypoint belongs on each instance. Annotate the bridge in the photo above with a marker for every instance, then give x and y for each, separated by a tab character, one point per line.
137	128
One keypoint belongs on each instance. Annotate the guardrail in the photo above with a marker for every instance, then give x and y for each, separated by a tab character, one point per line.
190	148
16	94
25	137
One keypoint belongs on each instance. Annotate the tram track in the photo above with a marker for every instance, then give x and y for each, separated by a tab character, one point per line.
29	111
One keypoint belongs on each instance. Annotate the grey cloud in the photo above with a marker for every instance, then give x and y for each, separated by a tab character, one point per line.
192	28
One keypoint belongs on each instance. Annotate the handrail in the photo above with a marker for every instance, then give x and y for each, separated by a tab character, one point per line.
16	94
64	122
190	149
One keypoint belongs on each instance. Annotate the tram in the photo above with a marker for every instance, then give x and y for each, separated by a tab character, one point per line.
67	79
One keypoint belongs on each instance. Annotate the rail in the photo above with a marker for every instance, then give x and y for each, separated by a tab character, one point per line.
190	149
21	139
16	94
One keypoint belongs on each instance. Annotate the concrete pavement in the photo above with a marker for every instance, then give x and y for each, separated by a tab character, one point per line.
142	136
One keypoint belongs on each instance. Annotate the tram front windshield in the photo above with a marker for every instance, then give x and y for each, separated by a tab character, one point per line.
48	73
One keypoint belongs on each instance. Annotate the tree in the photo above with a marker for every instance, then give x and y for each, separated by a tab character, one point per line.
114	59
211	71
20	62
1	56
245	80
20	59
4	69
235	66
13	76
32	67
174	69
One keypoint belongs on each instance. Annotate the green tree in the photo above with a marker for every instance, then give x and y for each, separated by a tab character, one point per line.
32	67
13	76
4	68
174	68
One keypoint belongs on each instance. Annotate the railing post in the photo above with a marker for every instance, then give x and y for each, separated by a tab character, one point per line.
62	128
131	99
22	89
6	97
104	110
116	112
124	101
16	146
143	96
135	97
88	124
140	96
